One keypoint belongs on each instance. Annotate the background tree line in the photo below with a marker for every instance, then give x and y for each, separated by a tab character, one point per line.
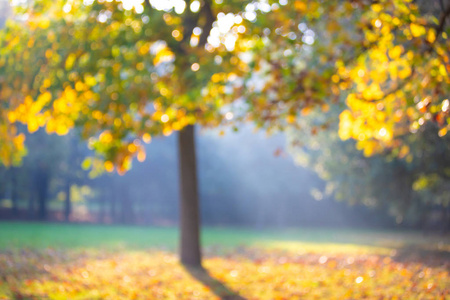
235	187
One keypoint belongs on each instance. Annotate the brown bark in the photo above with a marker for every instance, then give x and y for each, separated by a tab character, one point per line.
113	203
42	180
14	192
67	202
102	203
189	203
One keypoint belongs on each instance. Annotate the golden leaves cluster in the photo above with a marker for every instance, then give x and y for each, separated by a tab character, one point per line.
402	64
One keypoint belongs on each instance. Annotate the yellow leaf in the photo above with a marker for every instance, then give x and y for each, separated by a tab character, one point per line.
48	53
41	120
442	70
46	83
146	138
164	55
96	114
12	117
404	150
90	80
373	92
393	71
18	141
300	6
376	7
132	148
44	98
306	111
177	126
290	119
144	49
216	77
157	115
80	86
33	125
44	23
141	155
70	61
106	137
431	36
404	73
335	78
51	126
417	30
345	125
62	129
395	52
369	148
109	166
167	131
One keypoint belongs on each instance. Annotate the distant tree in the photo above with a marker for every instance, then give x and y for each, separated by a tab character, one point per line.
408	182
70	169
41	166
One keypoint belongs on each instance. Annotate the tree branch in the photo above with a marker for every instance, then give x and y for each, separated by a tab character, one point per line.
441	3
209	20
190	21
442	19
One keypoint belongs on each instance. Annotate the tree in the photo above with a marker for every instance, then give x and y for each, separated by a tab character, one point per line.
124	71
42	166
408	182
89	67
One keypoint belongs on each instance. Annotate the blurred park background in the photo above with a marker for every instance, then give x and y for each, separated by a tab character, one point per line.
285	149
246	179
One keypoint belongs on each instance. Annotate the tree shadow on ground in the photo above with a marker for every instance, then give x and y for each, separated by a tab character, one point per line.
217	287
429	257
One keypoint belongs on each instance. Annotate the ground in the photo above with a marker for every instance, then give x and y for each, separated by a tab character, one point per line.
61	261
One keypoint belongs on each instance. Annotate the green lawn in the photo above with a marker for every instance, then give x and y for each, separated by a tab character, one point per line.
16	235
74	261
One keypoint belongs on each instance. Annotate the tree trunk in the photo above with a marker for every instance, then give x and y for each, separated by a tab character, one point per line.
42	182
14	192
126	212
102	208
67	202
71	165
189	204
112	201
31	205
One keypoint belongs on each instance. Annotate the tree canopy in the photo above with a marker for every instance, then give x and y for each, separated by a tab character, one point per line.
125	71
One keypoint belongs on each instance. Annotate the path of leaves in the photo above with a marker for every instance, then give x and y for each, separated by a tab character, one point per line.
242	274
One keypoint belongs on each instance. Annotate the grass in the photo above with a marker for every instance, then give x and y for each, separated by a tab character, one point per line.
17	235
73	261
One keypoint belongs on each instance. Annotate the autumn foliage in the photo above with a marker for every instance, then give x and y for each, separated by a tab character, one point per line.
124	72
291	270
